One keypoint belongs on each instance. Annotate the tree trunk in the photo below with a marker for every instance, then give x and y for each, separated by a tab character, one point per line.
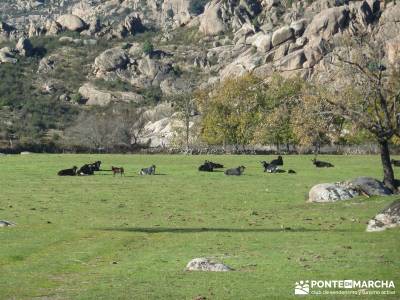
388	175
187	133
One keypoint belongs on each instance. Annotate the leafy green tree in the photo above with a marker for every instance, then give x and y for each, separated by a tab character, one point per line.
280	98
231	111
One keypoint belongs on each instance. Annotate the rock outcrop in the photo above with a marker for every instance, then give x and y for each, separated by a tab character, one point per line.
98	97
71	22
110	60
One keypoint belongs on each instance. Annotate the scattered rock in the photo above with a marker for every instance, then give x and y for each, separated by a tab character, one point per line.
387	218
7	56
204	264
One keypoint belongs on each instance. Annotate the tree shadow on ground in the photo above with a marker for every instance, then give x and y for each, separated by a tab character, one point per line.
207	229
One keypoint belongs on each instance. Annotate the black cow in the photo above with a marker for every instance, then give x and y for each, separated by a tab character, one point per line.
148	171
278	161
214	165
96	165
235	171
322	164
395	163
206	167
68	172
86	170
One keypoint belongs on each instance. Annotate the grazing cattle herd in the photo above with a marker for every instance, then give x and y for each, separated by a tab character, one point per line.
207	166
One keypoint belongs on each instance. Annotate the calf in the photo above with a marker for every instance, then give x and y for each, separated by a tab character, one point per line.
206	167
322	164
235	171
68	172
148	171
395	163
117	170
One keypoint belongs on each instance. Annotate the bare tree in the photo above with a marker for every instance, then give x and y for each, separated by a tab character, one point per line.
365	91
185	107
130	123
95	130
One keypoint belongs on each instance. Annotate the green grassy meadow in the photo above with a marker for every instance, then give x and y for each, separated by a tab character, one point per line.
100	237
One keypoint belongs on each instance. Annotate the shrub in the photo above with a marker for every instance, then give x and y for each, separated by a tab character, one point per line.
148	47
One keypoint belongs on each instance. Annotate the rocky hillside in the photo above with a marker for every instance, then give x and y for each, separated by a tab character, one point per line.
99	52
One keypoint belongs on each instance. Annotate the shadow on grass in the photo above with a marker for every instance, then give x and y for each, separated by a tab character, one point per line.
130	176
206	229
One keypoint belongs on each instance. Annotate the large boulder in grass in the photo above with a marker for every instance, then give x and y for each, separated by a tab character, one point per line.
71	22
331	192
369	186
387	218
204	264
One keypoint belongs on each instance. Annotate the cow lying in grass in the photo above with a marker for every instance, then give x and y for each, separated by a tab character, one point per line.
235	171
322	164
68	172
278	161
271	168
118	170
206	167
87	169
214	165
148	171
96	165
